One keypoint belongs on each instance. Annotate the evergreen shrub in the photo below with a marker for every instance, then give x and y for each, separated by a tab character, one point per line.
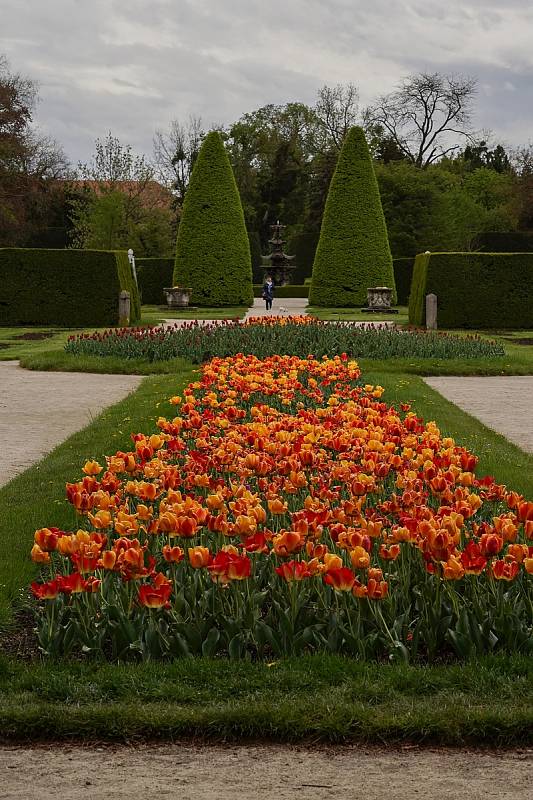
154	275
353	251
474	290
69	288
213	250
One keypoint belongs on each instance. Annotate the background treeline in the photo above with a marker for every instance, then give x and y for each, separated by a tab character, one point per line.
443	185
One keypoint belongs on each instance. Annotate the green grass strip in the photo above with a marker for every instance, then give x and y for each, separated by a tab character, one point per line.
322	698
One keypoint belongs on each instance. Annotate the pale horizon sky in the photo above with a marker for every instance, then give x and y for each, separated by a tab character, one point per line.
131	67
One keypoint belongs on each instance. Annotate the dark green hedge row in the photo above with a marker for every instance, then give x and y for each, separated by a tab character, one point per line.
154	274
284	291
508	242
403	276
474	290
69	288
353	250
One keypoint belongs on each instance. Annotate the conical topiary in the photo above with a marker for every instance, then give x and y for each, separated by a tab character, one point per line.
353	251
213	251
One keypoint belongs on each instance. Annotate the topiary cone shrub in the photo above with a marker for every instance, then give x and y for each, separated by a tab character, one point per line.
353	251
213	250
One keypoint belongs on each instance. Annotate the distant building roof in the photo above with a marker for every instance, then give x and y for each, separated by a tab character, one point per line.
152	194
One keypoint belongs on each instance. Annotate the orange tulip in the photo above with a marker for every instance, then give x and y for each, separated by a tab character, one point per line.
39	556
452	570
505	570
360	558
341	579
377	590
154	597
92	468
332	561
293	571
47	538
109	558
287	542
172	554
389	552
102	519
277	506
199	557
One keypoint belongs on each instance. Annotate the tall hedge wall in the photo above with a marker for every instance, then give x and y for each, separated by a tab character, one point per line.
474	290
403	275
70	288
154	275
353	250
213	250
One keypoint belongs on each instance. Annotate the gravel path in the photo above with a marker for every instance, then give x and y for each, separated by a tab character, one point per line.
261	772
504	404
39	410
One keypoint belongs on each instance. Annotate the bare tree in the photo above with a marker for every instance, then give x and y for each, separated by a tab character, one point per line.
425	115
175	152
337	110
114	162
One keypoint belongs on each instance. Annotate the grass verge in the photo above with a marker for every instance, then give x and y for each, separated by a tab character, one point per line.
401	318
36	497
153	315
319	698
60	361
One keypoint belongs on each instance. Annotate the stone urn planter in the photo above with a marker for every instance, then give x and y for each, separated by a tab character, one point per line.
177	297
378	300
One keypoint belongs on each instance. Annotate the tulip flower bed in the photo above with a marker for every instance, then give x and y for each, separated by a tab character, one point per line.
264	337
287	509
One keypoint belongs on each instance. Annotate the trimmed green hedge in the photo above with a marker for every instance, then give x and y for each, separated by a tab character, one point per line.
403	276
506	242
284	291
153	275
353	251
69	288
474	290
213	250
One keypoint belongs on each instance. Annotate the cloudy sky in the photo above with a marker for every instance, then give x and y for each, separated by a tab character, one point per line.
131	66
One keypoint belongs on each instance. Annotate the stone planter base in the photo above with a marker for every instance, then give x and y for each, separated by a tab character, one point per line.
378	300
178	297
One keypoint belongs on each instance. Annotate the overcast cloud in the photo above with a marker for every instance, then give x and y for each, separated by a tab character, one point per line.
130	66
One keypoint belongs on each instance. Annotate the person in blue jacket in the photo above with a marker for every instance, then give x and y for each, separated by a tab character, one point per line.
268	292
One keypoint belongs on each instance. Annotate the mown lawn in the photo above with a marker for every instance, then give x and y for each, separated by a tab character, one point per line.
318	698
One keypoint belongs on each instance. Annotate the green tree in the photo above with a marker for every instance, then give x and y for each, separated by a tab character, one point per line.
118	205
213	251
353	251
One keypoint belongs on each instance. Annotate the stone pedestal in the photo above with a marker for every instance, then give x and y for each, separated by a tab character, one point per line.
431	312
124	308
378	299
177	297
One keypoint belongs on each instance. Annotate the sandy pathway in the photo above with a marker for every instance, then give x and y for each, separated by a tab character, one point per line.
39	410
503	403
280	772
